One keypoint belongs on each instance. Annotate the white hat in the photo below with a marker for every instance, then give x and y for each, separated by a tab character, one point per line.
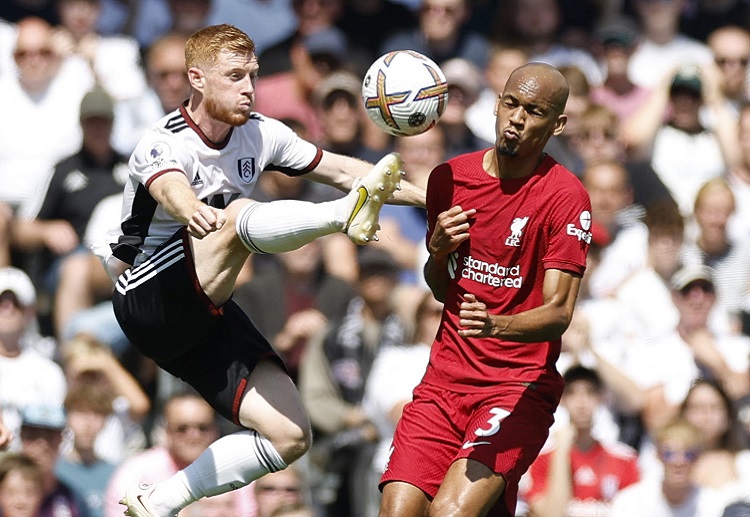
692	273
15	280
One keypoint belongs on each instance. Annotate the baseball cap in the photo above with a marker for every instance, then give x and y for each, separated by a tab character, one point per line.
687	77
18	282
374	261
331	41
97	103
339	81
465	76
691	273
621	31
737	509
45	416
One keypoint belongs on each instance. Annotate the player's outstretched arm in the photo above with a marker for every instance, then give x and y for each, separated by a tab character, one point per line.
172	191
451	229
340	171
544	323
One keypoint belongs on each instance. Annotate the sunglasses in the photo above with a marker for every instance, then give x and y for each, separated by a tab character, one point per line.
26	53
184	428
279	488
703	286
672	455
724	61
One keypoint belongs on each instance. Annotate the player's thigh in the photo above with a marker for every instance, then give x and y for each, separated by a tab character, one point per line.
220	256
469	489
403	500
272	405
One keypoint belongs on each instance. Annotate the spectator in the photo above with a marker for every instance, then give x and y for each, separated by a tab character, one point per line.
662	47
338	99
560	146
55	219
369	23
339	253
502	60
41	436
87	362
112	61
464	84
289	93
704	17
266	21
711	245
597	141
730	46
41	90
21	486
612	206
279	489
535	24
395	373
167	89
692	350
724	463
442	34
334	372
402	229
580	475
679	445
27	377
615	42
188	425
316	23
307	298
87	475
738	178
683	152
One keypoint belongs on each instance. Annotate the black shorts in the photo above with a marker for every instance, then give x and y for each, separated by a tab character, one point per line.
166	315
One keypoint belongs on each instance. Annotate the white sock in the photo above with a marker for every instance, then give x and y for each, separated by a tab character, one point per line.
229	463
288	224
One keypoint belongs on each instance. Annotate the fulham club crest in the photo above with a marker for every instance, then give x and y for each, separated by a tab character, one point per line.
246	169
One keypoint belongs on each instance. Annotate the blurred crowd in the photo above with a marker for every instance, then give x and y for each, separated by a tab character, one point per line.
655	418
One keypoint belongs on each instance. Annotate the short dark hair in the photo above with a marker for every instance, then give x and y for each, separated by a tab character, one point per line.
582	373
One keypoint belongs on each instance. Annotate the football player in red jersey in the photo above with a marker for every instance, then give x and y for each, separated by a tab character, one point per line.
508	234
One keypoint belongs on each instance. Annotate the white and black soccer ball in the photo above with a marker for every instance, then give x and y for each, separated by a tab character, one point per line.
404	92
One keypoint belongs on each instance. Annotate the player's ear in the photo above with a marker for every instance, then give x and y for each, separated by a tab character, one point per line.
562	119
197	78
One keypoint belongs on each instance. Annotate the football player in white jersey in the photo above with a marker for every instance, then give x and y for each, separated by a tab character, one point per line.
188	226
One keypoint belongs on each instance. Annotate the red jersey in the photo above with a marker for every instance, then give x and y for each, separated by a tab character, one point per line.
522	227
598	475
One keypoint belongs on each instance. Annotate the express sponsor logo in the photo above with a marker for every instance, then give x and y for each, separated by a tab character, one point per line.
583	233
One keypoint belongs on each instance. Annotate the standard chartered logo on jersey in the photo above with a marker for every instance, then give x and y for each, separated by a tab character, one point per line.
492	274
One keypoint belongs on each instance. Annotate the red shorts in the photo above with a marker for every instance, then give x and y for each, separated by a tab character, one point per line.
504	430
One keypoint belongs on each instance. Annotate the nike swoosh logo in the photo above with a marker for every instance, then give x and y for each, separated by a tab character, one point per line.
472	444
362	191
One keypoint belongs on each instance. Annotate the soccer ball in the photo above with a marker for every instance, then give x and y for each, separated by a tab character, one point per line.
404	92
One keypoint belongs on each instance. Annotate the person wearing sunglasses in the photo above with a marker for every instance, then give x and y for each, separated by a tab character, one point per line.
678	447
695	348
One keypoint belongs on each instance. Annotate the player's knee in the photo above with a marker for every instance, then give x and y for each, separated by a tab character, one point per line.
447	508
293	442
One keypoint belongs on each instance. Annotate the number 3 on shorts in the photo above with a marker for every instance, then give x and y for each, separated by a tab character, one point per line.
498	415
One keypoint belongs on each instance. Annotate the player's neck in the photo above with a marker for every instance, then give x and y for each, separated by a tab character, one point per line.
510	167
215	130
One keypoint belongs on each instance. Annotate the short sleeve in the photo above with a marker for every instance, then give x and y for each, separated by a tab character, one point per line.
156	154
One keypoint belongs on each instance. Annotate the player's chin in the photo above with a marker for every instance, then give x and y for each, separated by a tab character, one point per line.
506	148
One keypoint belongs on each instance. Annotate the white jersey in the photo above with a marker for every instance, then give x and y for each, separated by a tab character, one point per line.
218	173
